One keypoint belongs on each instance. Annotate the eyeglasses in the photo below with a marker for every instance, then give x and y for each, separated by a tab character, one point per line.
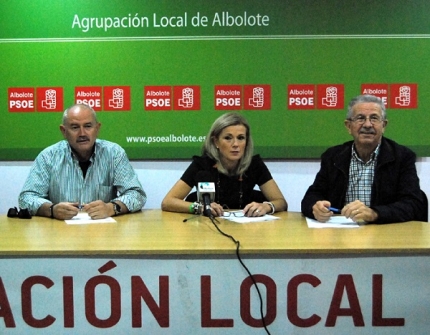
361	119
237	214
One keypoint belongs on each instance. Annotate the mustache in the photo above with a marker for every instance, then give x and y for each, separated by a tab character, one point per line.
83	138
368	131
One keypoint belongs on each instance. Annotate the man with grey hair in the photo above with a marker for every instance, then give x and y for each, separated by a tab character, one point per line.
81	172
370	179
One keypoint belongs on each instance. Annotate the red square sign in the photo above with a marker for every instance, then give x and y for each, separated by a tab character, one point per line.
403	96
378	90
157	98
186	97
257	97
49	99
301	96
228	97
89	95
21	99
330	96
116	98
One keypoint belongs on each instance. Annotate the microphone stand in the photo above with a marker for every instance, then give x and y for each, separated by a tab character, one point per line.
191	217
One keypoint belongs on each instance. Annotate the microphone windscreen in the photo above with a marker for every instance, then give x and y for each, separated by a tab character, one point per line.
205	185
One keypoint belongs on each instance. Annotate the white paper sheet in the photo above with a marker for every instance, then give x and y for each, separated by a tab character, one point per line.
336	221
237	216
84	218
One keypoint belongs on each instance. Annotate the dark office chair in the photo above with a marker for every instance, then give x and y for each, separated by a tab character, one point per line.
425	216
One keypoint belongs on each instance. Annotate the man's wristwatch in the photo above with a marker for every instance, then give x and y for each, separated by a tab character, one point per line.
51	211
116	208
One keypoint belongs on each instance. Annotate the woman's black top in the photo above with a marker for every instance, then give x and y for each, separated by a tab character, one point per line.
230	190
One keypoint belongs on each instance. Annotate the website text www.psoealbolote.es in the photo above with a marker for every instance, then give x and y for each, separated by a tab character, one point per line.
171	138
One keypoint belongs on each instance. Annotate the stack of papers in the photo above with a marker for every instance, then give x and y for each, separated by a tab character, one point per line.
336	221
237	216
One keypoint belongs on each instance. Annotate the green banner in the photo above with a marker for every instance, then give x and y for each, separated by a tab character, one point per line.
160	72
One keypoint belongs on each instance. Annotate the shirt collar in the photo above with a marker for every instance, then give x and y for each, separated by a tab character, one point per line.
73	152
372	156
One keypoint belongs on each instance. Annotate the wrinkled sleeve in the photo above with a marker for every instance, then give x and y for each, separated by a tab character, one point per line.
130	190
409	202
35	191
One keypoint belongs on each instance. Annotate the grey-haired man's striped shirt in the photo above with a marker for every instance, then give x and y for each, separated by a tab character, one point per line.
57	177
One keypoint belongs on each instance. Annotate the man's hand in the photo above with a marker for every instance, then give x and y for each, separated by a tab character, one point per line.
321	211
359	212
99	209
65	210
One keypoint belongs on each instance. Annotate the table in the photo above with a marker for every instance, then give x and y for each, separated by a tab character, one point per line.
151	272
154	232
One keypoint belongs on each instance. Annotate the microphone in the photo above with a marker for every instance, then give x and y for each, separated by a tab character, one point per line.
205	191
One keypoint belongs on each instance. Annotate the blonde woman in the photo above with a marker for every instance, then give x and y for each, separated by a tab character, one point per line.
227	159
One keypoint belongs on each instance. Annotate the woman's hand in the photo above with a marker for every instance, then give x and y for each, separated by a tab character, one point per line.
216	209
255	209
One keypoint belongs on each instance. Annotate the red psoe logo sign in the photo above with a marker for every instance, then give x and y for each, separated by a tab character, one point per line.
157	98
378	90
257	97
49	99
89	95
301	96
116	98
21	99
228	97
330	96
186	98
403	96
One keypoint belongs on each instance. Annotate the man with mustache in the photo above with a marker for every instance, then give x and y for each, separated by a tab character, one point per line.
371	179
82	172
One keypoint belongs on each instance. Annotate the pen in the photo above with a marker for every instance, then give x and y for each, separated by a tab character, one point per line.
334	210
79	207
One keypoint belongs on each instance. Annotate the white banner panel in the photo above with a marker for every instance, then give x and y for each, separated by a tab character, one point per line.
351	295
